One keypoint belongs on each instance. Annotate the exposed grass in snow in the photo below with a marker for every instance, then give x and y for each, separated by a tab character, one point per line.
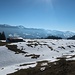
27	64
38	50
33	56
14	48
3	43
61	67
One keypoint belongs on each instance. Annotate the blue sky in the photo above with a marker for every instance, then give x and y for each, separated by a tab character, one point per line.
46	14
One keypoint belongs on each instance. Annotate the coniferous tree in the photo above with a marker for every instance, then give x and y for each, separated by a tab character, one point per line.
2	36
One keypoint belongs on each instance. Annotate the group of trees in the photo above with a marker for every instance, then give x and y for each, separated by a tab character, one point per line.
53	37
2	36
56	37
73	37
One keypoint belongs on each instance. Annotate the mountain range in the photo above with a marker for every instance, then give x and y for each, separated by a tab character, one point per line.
33	32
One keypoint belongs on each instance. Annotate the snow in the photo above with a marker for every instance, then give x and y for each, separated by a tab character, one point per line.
42	68
44	64
3	40
14	68
48	49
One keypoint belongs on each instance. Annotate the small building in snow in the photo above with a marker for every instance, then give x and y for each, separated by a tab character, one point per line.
14	38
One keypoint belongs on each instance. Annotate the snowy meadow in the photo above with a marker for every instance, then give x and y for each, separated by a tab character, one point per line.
34	52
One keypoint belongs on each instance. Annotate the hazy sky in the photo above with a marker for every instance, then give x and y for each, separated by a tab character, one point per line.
47	14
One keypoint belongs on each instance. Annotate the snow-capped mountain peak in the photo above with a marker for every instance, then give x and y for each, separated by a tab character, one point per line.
22	31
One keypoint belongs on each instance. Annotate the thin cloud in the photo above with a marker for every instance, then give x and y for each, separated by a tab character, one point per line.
48	3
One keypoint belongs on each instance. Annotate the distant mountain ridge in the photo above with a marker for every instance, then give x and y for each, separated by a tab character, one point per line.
10	26
33	32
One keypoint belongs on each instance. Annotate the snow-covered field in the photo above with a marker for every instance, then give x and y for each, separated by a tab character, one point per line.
36	50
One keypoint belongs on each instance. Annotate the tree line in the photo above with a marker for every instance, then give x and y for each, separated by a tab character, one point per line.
56	37
53	37
73	37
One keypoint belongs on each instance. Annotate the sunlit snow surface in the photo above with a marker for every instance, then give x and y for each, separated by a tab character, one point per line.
47	49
